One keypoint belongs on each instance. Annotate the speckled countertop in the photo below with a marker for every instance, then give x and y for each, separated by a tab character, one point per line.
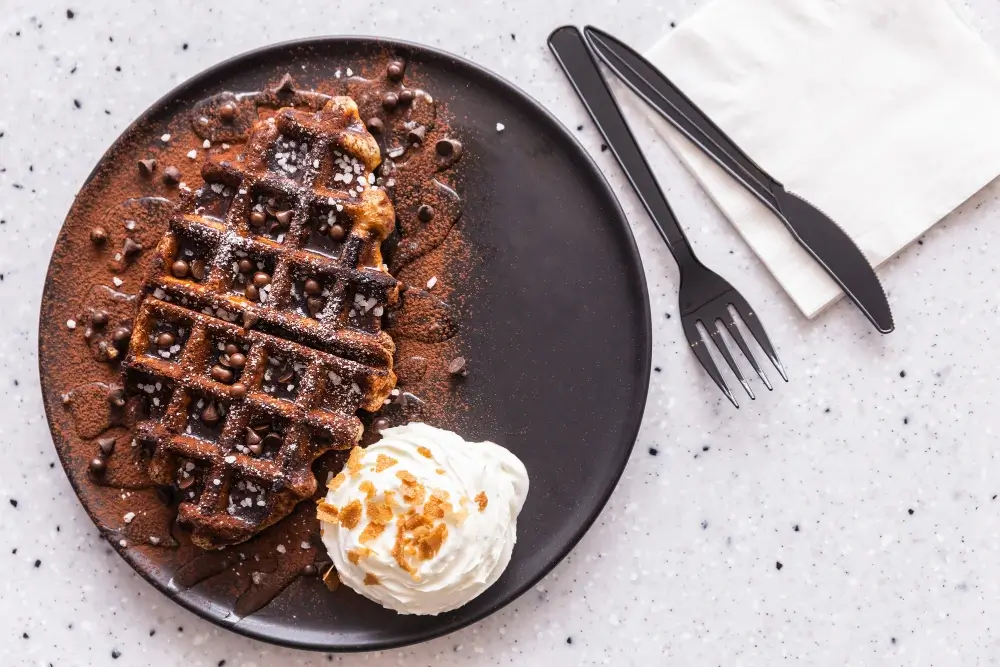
849	518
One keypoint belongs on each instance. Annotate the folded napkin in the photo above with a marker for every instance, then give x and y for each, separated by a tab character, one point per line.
885	114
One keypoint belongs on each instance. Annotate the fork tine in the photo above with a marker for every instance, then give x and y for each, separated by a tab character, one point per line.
756	329
723	346
700	348
734	331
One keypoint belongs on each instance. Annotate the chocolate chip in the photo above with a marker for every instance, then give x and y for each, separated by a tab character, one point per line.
231	349
99	318
271	441
284	217
117	398
458	367
425	213
121	335
337	233
389	101
98	465
186	482
180	268
375	125
238	390
285	85
380	424
448	147
257	218
261	279
406	96
245	266
315	305
312	286
395	70
98	235
416	135
210	415
249	319
310	570
130	247
147	167
252	293
165	339
107	445
172	175
227	112
198	269
253	440
222	374
286	377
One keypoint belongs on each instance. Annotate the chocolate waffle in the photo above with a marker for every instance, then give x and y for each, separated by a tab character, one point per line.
260	334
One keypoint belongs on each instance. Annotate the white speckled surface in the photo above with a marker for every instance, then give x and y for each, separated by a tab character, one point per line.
870	478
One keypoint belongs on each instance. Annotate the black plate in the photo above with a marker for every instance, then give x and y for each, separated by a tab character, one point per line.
559	337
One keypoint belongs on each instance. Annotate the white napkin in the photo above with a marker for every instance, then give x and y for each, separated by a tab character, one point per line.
885	114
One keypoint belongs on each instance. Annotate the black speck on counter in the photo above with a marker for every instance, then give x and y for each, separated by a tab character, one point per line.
779	565
653	451
795	528
827	411
14	551
77	103
668	315
152	632
13	503
579	128
513	37
38	562
704	525
184	46
892	639
115	654
118	68
673	24
902	374
705	448
657	369
906	420
70	14
180	628
910	512
73	71
221	663
604	147
24	635
569	640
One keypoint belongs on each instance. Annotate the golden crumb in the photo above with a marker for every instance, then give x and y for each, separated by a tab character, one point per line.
350	514
371	579
406	477
368	489
436	506
326	512
354	460
413	492
390	498
482	501
440	471
379	512
331	579
355	555
423	451
430	542
335	483
371	532
383	462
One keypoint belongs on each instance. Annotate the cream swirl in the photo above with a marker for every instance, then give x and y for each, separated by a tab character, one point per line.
422	521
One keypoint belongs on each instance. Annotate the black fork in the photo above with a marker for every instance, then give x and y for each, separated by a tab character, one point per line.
706	299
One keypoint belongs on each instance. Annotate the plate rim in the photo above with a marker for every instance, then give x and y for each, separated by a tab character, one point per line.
633	421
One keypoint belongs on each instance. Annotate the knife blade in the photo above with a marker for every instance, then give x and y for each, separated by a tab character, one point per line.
815	231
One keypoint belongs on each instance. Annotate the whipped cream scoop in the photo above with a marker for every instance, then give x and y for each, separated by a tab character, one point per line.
423	521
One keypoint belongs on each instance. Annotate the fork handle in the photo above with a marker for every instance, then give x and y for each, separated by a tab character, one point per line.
581	69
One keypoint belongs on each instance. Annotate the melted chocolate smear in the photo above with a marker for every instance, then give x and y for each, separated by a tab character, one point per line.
419	238
90	408
423	317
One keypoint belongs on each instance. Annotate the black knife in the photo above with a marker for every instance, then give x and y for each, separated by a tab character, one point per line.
814	230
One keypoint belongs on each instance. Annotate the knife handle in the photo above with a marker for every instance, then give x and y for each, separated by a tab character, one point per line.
671	103
581	69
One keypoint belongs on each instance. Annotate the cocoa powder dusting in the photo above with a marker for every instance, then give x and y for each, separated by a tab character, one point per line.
106	250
